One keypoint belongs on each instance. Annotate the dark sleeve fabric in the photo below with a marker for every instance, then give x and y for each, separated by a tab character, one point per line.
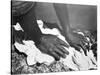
30	26
28	23
21	7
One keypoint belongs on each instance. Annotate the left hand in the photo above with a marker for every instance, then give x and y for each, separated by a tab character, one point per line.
52	45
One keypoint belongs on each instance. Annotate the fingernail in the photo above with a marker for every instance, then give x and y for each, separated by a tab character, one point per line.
67	52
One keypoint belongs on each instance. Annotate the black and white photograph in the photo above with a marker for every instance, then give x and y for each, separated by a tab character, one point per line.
52	37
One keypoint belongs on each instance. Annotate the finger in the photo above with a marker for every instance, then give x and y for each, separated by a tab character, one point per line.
83	47
61	42
55	55
85	40
82	42
60	53
92	39
63	49
75	46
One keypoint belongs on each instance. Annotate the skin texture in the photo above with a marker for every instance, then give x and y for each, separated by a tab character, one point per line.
73	39
54	46
48	44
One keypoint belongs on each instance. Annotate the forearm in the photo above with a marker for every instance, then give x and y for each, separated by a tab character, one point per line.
62	14
30	26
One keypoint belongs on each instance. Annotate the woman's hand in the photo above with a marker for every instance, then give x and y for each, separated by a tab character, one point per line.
53	46
76	40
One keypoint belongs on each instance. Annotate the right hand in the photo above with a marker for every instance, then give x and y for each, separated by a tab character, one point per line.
76	40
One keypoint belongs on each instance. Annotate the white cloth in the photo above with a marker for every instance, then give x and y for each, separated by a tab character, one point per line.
75	60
